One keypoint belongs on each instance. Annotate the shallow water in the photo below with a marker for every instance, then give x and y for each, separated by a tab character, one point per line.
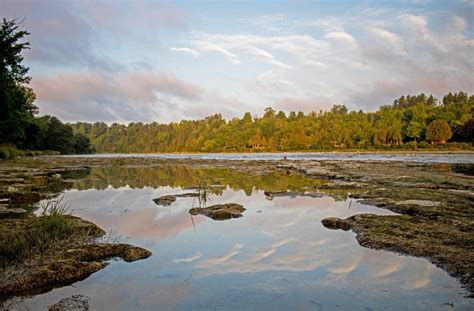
402	156
278	256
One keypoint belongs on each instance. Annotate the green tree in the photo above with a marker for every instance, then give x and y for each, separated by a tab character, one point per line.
16	109
438	132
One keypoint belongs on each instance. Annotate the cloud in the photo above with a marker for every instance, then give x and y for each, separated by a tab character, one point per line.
388	39
119	58
343	38
95	96
304	104
73	33
188	51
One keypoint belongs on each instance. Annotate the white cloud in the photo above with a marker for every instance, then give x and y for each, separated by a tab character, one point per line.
188	51
343	38
392	40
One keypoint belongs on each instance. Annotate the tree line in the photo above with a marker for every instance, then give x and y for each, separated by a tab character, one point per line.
410	121
18	124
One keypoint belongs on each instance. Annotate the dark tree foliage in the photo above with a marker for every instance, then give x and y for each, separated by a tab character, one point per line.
18	125
392	126
16	109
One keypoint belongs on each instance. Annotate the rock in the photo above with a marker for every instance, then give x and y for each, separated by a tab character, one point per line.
23	197
99	251
63	265
39	181
5	210
425	203
12	189
73	303
165	200
133	253
336	223
56	176
219	211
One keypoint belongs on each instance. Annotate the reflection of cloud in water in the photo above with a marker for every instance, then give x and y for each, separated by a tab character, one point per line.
220	260
420	277
346	268
388	270
281	243
189	259
291	223
147	224
317	243
263	255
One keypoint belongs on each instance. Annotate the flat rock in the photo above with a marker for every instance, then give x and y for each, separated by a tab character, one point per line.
5	210
419	203
165	200
73	303
219	211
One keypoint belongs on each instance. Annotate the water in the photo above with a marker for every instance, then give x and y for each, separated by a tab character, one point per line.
278	256
467	157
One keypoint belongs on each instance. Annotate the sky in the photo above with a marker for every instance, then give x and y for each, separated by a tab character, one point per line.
164	61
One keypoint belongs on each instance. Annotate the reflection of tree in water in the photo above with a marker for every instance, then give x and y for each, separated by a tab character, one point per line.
190	178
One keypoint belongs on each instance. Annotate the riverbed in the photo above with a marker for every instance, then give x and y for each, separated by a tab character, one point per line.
277	256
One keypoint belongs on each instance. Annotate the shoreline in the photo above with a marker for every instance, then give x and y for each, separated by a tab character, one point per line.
283	152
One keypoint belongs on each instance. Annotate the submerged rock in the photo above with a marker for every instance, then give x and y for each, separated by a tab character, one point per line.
73	303
219	211
165	200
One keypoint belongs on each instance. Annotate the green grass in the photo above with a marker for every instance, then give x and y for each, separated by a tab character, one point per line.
41	234
203	193
54	207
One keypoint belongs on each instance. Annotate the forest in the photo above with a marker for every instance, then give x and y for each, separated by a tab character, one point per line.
418	121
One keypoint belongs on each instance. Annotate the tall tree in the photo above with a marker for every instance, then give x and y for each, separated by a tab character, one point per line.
16	109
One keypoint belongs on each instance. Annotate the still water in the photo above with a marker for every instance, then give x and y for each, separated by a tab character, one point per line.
422	157
278	256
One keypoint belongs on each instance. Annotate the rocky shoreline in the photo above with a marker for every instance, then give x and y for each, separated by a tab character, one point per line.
435	202
71	258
